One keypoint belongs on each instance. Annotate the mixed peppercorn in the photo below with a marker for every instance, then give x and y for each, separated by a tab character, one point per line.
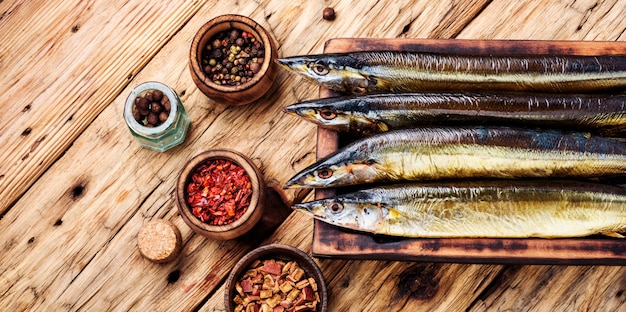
276	285
219	191
152	108
232	57
329	14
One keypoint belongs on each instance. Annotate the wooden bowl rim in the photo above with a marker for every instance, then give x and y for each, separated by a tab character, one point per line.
232	20
237	158
281	252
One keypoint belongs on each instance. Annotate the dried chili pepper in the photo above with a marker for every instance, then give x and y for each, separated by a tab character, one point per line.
219	192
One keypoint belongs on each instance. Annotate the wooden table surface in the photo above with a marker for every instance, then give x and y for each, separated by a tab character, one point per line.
75	187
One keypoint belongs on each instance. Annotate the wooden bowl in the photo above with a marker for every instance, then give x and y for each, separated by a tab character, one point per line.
277	252
241	225
247	92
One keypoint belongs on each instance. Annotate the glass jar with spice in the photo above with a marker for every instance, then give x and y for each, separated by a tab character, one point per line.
155	116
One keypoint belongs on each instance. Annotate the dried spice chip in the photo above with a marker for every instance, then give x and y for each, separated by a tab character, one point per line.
276	285
219	192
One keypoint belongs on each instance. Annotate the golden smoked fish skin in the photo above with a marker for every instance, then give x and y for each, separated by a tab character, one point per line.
477	152
374	113
401	71
494	209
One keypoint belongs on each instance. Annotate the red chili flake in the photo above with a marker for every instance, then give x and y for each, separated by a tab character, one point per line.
219	192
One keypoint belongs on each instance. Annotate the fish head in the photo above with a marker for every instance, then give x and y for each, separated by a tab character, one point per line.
355	215
316	176
331	174
326	116
337	72
341	114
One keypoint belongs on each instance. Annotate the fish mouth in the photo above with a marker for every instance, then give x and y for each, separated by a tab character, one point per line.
297	182
301	207
292	185
307	114
291	110
308	210
283	61
294	64
304	108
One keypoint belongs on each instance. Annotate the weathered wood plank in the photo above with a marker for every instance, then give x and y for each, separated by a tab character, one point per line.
62	64
70	239
556	288
98	234
556	20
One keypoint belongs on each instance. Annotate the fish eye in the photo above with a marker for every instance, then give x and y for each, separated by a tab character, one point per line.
327	114
319	69
325	173
335	207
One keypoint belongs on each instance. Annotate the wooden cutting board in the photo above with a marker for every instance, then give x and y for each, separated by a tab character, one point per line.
333	242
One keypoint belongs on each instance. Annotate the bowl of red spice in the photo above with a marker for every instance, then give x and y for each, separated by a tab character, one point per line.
232	60
276	277
219	194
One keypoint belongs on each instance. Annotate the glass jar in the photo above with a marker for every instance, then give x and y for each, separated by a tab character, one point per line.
166	135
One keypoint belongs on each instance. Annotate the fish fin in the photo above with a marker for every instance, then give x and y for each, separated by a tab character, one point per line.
382	127
613	234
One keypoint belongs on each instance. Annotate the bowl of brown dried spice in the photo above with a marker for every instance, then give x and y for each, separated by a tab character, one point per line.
276	277
220	194
232	60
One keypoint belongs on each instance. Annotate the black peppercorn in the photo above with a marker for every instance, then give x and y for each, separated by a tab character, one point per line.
167	106
163	116
148	96
141	103
218	54
216	44
137	115
329	14
152	119
234	34
155	107
255	67
157	95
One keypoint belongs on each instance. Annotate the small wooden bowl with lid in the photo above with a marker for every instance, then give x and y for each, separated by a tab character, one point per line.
283	254
243	93
243	222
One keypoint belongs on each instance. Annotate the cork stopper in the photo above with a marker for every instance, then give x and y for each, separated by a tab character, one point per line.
159	241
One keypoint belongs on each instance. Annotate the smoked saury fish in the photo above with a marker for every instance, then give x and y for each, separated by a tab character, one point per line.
474	152
374	113
496	209
401	71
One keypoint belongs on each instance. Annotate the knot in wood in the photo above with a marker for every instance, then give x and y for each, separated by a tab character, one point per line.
419	281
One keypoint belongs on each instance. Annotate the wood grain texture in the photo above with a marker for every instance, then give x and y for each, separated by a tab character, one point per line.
76	188
69	61
581	288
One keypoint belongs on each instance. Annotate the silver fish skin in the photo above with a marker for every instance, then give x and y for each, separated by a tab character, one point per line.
401	71
374	113
474	152
495	209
